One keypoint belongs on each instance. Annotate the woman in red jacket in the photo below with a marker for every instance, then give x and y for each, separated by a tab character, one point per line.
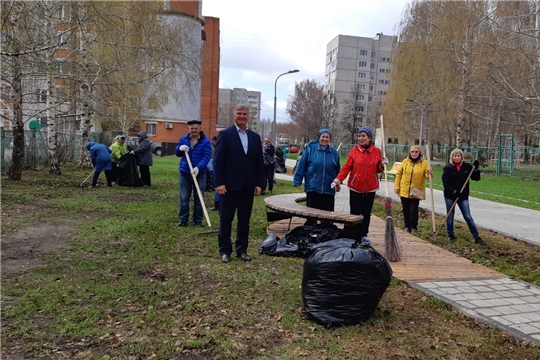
363	164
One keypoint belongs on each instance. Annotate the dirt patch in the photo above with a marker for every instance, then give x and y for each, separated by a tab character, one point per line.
26	246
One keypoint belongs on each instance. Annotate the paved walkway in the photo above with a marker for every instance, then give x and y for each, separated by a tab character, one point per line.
484	294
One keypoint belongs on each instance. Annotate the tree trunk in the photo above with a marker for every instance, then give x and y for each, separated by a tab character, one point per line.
15	173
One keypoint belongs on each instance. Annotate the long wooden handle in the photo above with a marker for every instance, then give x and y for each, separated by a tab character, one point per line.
454	204
431	188
198	191
384	155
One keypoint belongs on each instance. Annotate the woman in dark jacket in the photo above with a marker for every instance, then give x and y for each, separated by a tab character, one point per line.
454	176
144	152
269	164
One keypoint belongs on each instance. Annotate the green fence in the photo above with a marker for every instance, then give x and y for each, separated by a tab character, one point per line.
512	161
68	148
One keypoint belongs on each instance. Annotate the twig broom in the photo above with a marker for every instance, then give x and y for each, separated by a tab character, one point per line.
391	246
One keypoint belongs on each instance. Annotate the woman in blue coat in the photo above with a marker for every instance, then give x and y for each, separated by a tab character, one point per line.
318	167
101	159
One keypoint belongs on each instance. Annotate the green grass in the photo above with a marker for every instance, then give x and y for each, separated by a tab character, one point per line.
132	285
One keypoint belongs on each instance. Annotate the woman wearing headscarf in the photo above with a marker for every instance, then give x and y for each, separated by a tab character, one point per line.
363	164
410	187
454	177
101	160
318	167
118	149
144	159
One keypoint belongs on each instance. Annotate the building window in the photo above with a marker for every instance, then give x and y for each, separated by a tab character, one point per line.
384	81
360	86
372	66
384	70
362	75
371	77
370	87
373	54
369	98
151	129
385	59
363	53
360	97
42	96
381	92
362	64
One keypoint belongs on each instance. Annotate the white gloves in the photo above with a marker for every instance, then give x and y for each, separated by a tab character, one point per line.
336	184
385	160
184	148
195	170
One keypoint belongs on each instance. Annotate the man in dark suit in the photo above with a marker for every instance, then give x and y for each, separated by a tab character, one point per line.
238	177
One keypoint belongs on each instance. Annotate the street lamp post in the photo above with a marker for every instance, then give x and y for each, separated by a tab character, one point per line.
275	102
421	117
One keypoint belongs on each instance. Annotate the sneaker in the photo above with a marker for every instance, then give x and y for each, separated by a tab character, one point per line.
408	230
451	239
182	224
480	242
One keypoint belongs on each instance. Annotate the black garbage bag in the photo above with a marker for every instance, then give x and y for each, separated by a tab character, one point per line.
299	241
273	245
128	172
280	165
343	282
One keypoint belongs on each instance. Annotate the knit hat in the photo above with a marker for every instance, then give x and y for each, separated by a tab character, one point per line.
324	131
367	130
268	138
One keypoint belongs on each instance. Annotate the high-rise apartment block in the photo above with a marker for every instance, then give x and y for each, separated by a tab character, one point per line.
229	98
356	76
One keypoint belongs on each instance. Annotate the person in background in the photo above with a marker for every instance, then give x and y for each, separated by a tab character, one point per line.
411	174
363	164
211	166
318	167
269	164
101	160
199	150
238	178
454	176
144	157
118	149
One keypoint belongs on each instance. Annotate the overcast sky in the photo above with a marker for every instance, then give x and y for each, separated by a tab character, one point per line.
262	39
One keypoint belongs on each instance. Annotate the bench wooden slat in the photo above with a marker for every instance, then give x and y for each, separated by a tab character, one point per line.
289	204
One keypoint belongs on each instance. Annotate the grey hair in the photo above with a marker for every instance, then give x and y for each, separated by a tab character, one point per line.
241	107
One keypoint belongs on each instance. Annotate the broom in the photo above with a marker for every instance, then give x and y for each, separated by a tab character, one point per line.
391	246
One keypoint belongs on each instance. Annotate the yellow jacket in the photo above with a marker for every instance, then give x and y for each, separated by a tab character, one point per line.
411	174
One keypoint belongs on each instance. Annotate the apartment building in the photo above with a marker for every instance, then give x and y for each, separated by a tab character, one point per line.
229	98
356	74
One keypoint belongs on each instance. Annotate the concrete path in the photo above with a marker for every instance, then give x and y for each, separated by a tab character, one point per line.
484	294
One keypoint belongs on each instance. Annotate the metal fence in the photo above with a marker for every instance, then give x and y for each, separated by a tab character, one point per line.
68	148
504	160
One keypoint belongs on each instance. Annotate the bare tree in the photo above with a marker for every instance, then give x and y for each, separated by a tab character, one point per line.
306	109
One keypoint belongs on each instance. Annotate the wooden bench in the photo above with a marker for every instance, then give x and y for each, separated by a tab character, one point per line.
286	206
393	171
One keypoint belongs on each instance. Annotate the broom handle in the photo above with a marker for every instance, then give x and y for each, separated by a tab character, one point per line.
455	202
198	191
431	189
384	155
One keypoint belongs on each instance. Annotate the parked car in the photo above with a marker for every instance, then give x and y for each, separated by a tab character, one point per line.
133	141
294	149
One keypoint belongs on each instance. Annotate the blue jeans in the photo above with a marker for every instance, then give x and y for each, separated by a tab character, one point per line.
465	211
187	187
